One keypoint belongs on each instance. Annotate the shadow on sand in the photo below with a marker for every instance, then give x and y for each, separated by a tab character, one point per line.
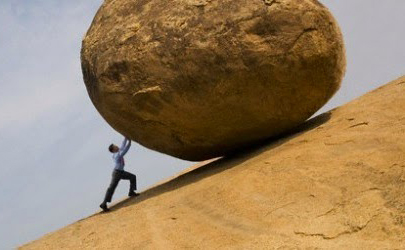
224	163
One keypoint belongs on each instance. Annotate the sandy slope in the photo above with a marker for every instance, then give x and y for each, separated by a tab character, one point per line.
337	183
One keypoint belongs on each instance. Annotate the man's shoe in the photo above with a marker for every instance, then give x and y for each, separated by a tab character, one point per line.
132	194
104	207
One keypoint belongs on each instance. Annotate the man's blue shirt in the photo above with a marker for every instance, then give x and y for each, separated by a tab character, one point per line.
118	157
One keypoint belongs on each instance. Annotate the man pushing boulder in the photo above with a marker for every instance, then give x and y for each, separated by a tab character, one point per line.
119	173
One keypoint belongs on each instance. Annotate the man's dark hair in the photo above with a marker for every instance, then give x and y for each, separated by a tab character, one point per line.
110	148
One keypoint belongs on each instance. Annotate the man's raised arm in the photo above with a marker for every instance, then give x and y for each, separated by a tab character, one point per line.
124	143
125	146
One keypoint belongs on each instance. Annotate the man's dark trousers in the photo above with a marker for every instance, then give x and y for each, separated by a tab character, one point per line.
118	175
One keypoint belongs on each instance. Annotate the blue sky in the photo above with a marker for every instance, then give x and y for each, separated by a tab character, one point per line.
53	143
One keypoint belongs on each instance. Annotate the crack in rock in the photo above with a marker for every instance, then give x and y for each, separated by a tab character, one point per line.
200	3
280	207
330	210
270	2
307	30
351	230
148	90
359	124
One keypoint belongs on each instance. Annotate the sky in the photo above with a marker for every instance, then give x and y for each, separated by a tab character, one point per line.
53	144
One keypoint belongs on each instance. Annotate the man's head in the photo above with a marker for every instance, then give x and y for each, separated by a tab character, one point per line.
113	148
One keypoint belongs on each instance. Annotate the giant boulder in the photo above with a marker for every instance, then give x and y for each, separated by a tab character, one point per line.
197	79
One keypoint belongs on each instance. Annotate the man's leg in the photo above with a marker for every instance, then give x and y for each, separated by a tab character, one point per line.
132	178
111	189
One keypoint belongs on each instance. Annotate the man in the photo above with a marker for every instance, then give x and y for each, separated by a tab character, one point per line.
119	173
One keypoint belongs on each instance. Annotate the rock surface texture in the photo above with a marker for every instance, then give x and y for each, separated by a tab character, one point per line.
197	79
338	183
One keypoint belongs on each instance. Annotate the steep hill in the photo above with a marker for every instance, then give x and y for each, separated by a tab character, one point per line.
338	182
